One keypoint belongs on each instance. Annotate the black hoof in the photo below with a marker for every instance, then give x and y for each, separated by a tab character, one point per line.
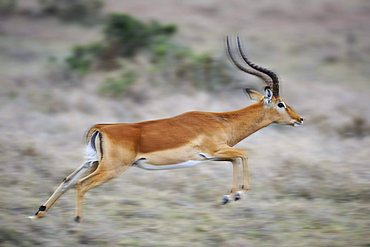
237	197
42	208
225	199
78	219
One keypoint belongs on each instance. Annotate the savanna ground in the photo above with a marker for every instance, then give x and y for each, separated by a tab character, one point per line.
309	185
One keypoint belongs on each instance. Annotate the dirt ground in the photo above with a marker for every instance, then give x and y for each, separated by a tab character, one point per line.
310	186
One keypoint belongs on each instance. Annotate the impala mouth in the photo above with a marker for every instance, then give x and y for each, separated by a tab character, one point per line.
297	123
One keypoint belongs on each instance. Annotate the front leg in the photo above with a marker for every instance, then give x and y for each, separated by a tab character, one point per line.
234	193
233	155
245	185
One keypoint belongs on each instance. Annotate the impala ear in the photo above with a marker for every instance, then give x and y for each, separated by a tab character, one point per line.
268	95
253	95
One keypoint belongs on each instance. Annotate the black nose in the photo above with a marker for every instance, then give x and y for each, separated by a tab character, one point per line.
301	119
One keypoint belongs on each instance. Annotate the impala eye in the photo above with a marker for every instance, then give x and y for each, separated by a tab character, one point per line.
281	105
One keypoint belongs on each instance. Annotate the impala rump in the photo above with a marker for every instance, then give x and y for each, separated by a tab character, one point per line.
92	153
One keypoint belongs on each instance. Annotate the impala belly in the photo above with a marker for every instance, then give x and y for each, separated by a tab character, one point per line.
197	149
143	164
172	156
182	157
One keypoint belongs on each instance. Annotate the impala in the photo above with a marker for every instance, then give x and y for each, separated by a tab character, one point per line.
181	141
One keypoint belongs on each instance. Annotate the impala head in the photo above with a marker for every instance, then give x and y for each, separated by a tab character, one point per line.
274	104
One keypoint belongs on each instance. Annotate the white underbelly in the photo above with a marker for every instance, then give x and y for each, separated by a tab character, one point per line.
147	166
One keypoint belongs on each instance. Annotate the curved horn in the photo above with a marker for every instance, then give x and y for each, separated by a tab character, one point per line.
254	71
274	77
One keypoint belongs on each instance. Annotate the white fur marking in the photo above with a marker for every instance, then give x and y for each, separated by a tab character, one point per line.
91	154
147	166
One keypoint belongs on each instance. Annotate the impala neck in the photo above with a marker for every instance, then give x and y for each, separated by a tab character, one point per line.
246	121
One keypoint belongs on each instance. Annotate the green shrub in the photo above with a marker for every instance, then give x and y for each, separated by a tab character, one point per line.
170	61
124	36
83	57
182	64
116	86
129	35
84	11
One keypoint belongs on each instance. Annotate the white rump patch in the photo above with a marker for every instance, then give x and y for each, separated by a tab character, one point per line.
91	153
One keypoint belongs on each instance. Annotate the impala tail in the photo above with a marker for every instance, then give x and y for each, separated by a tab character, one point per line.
93	156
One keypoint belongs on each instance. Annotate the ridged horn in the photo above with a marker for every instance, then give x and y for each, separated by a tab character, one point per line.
272	75
253	71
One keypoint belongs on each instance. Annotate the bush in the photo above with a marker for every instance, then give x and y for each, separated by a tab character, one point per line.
129	35
357	128
180	63
84	11
126	36
83	57
117	86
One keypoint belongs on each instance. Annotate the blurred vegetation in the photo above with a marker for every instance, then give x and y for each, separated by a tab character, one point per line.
358	128
7	7
125	37
81	11
179	63
116	86
83	57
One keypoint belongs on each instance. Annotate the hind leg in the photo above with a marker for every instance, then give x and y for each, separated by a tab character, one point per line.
98	177
67	183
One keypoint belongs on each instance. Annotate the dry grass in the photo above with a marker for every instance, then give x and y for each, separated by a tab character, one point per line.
310	185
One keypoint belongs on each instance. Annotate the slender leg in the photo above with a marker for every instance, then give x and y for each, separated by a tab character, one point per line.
233	155
235	184
98	177
245	186
67	183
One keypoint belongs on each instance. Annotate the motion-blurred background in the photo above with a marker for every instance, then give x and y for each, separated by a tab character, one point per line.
68	64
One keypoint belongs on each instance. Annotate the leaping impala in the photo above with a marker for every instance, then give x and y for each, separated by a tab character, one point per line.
181	141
